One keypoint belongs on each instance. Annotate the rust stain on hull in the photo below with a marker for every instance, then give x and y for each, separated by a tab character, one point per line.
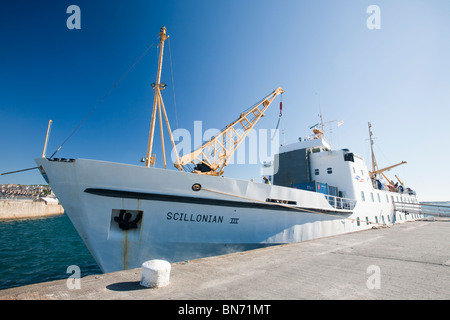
125	251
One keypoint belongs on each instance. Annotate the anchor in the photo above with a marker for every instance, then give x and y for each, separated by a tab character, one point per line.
125	223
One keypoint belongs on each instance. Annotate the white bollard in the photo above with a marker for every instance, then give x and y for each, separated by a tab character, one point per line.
155	273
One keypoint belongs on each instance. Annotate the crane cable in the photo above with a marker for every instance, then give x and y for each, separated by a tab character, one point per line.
279	117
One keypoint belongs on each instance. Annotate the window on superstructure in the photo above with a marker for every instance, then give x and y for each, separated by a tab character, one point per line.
362	196
379	199
387	198
371	195
329	170
316	172
354	171
367	220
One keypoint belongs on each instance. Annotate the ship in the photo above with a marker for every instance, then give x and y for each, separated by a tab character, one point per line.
127	214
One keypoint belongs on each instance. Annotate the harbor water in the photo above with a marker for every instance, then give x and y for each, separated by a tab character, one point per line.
41	249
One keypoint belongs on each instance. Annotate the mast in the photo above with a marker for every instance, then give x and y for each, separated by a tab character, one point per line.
44	151
374	162
321	125
159	104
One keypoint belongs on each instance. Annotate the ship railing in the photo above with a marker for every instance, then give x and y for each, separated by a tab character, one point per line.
436	210
340	203
407	207
422	208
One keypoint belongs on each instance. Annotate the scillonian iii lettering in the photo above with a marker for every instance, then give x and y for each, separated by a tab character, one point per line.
191	217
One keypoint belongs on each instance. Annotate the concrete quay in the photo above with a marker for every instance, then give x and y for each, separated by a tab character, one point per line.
402	261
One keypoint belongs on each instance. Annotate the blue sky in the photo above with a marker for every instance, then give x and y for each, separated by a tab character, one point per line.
226	55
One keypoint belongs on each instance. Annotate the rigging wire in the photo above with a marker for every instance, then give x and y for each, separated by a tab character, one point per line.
11	172
103	99
173	85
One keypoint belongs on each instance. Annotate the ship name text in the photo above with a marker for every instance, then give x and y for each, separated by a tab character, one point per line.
191	217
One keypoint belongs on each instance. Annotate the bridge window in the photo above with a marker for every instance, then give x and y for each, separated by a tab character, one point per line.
362	196
329	170
316	172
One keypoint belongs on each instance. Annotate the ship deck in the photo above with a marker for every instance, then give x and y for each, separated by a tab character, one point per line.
403	261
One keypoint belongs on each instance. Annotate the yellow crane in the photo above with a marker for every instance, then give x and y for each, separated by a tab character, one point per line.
375	170
374	173
401	182
212	157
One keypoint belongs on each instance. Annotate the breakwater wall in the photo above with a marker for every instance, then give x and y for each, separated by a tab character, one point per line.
18	209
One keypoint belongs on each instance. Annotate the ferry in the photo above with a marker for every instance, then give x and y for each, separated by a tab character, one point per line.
128	214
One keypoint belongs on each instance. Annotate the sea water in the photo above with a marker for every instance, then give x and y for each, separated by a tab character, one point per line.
40	250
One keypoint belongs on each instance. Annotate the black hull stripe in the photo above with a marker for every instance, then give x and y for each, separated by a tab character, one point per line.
201	201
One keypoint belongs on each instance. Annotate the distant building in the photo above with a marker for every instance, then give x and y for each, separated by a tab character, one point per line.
31	192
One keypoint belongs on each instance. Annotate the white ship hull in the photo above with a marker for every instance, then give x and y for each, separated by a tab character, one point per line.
174	222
